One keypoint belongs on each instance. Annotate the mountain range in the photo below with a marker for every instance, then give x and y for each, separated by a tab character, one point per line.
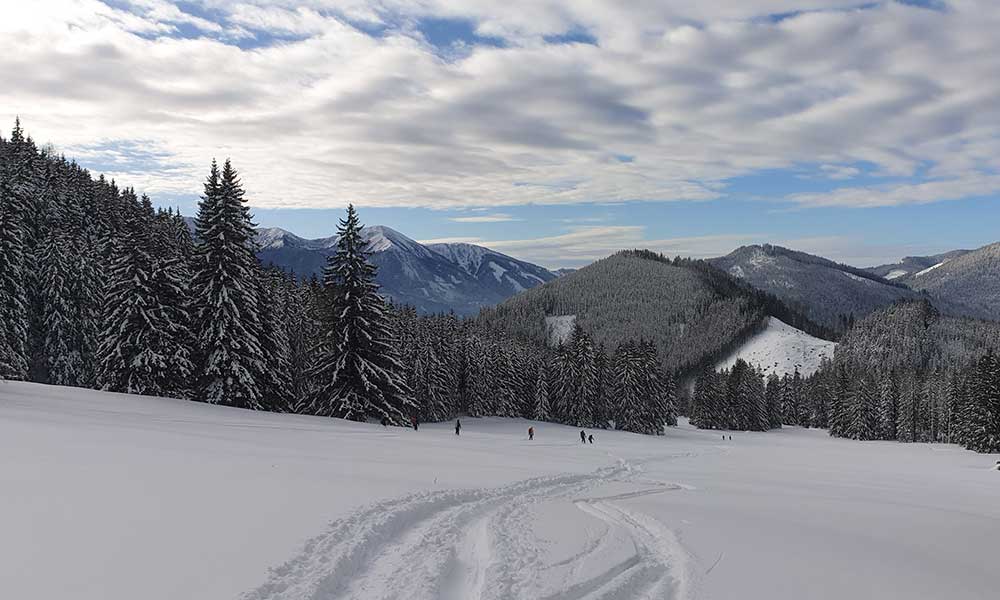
430	277
464	278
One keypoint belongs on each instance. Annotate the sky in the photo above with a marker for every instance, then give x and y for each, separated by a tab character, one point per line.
557	131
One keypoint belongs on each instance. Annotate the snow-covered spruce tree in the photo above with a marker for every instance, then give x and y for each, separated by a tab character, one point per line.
145	343
629	397
503	397
477	379
226	319
984	417
357	373
888	406
15	173
659	403
576	365
603	414
862	410
274	292
772	395
432	392
542	410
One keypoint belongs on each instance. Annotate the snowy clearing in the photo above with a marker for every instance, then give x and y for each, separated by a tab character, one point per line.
780	349
929	269
559	328
108	496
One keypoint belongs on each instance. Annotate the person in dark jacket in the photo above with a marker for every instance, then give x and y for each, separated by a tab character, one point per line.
583	437
416	423
458	427
591	438
531	433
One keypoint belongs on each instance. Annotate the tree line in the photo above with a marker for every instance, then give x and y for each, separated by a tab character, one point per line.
99	289
903	373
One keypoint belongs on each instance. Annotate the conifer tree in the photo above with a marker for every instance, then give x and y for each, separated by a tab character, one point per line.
773	394
888	410
14	197
275	378
542	411
226	321
358	374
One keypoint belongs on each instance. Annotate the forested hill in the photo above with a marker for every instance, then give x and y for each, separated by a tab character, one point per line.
693	312
914	335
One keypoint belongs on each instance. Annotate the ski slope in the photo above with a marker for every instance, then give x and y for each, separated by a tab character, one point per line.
108	496
781	349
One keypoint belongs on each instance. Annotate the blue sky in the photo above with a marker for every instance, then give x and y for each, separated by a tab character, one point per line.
862	131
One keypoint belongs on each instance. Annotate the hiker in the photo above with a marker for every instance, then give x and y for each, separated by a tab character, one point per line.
591	438
583	437
730	438
416	423
385	421
458	427
531	433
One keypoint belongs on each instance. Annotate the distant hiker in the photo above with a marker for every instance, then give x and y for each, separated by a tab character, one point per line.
458	427
531	433
998	465
583	437
416	423
385	421
591	438
730	438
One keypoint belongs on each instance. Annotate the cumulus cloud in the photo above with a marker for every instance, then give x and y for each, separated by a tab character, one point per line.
339	101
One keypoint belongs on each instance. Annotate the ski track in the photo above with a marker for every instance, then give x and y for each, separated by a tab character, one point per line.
478	544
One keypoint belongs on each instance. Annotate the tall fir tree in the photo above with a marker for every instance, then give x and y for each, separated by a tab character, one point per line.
15	179
358	374
226	321
542	411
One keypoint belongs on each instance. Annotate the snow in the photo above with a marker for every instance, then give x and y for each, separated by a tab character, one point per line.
858	278
781	348
498	270
271	237
559	327
115	497
896	274
929	269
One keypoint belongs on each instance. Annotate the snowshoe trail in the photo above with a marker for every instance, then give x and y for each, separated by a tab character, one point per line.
479	544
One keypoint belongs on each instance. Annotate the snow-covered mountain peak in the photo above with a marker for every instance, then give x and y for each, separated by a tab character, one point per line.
272	237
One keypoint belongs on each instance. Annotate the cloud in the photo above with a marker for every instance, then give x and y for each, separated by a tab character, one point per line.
339	101
970	186
584	245
491	218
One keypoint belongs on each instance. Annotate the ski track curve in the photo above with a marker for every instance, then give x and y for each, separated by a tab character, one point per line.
479	544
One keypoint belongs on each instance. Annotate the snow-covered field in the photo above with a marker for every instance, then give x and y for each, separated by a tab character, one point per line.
106	496
780	349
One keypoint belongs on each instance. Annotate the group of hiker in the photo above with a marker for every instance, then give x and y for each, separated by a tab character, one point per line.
415	422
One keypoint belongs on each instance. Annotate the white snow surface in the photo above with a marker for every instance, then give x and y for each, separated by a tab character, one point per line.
896	274
781	348
115	497
559	328
929	269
